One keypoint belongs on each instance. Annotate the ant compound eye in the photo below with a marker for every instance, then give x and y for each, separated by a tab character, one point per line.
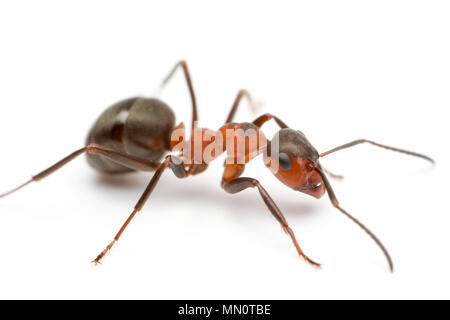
285	161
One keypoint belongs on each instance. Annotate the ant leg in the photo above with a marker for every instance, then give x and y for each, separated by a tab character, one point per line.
238	184
267	117
356	142
241	94
183	65
126	160
177	167
333	175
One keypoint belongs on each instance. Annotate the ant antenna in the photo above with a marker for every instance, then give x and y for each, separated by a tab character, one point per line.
353	143
335	203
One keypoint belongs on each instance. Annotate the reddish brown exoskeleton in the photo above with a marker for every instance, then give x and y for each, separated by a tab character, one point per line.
139	134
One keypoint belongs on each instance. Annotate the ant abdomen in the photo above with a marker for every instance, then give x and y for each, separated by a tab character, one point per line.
140	127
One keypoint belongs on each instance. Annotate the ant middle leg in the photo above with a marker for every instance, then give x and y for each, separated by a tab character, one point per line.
241	94
171	162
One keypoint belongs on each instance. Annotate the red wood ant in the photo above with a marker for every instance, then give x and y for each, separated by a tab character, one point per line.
136	135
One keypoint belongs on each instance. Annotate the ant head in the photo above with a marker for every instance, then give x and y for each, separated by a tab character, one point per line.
294	161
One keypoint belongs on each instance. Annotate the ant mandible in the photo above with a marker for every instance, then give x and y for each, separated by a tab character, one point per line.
135	135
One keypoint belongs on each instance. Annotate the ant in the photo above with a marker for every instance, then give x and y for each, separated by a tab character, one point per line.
136	135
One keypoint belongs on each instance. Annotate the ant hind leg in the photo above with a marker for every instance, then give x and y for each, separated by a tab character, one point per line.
182	64
124	159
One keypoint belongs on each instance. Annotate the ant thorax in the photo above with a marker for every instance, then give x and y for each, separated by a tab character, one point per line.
240	141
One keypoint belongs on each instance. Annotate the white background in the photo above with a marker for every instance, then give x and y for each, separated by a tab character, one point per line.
337	70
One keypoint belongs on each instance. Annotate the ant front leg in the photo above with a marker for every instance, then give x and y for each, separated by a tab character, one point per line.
267	117
177	166
236	184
